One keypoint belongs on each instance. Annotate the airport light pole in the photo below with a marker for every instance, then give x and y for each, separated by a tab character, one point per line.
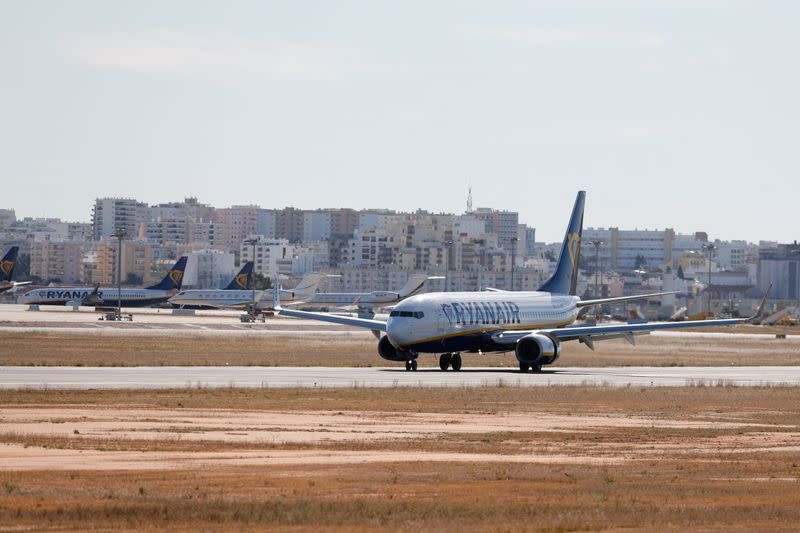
597	244
119	233
709	247
253	242
513	259
449	283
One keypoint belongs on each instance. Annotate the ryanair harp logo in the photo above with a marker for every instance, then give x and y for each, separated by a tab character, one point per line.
241	280
6	267
573	242
176	276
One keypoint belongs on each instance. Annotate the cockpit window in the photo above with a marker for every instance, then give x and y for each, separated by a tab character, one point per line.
407	314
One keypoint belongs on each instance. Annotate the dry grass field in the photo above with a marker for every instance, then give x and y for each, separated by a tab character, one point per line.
279	348
497	459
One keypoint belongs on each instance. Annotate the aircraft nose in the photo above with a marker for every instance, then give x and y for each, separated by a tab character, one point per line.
398	331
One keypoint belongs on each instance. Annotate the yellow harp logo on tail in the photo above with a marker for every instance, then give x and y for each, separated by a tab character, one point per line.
573	242
241	280
6	267
176	276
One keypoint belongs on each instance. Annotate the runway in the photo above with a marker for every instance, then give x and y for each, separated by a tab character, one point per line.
266	377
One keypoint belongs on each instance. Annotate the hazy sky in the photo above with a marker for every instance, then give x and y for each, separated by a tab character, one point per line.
670	113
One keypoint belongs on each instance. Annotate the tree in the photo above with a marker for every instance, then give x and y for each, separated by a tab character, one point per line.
680	272
640	262
261	281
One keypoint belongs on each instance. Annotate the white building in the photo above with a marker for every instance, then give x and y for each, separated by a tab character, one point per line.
109	214
272	256
209	269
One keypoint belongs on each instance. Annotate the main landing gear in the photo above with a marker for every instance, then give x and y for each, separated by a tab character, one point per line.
447	360
411	365
525	367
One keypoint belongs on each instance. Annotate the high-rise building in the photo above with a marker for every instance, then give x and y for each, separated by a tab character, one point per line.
289	224
504	223
239	222
109	214
779	266
57	260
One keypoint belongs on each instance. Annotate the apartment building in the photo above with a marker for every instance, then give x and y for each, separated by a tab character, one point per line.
57	260
108	214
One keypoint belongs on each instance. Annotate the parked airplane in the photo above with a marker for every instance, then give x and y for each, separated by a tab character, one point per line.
369	301
242	298
531	324
147	296
231	292
7	271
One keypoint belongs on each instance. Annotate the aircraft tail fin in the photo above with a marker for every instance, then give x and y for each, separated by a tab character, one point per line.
173	279
413	285
7	264
565	278
243	279
307	286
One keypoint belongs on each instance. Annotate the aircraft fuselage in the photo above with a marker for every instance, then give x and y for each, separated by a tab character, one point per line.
465	321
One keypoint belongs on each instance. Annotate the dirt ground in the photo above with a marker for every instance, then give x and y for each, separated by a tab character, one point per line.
492	458
340	347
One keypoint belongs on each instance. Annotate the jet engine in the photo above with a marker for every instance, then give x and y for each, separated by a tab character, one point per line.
537	349
387	350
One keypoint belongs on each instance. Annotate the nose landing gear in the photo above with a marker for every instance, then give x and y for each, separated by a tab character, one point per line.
524	367
447	360
411	365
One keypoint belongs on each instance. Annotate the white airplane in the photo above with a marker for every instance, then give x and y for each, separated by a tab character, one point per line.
369	301
243	298
155	294
7	271
531	324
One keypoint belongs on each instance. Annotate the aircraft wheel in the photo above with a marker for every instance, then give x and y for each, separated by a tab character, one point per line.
536	368
444	361
455	361
414	365
408	366
523	367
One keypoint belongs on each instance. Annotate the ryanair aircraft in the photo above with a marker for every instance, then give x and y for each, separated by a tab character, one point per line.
208	298
155	294
531	324
7	271
236	296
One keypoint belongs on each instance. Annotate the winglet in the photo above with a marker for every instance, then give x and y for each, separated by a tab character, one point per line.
276	293
760	311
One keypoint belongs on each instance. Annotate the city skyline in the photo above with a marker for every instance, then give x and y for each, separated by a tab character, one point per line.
678	230
670	114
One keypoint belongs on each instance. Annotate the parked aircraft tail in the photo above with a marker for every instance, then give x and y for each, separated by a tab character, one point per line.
173	279
307	286
243	279
565	278
415	284
7	264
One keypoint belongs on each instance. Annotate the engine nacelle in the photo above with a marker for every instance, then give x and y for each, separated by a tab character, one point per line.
537	349
388	351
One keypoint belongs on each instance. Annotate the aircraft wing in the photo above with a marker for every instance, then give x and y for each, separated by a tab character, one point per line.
374	325
586	303
589	334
